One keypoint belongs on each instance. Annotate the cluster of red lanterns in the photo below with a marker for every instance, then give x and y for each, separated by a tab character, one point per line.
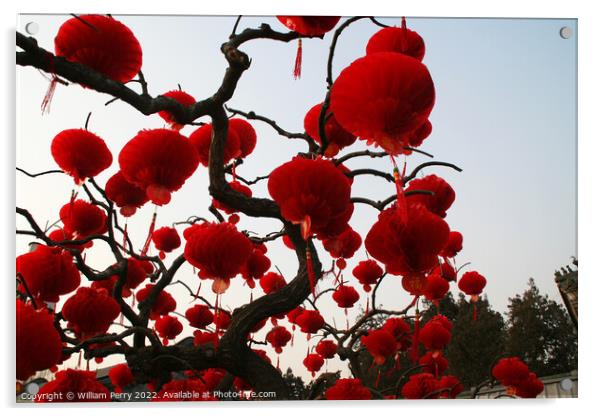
514	374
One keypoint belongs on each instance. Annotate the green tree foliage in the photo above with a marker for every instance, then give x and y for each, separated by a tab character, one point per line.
296	385
475	344
541	333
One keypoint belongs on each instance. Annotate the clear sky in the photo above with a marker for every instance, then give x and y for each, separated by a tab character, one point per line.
505	113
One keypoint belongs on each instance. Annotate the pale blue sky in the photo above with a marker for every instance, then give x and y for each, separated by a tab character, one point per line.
505	113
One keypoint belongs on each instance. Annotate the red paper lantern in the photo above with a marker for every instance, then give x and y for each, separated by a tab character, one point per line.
367	272
181	97
121	376
313	193
278	337
218	251
90	312
222	319
407	249
39	345
338	137
511	372
348	389
73	386
203	338
397	39
83	219
135	275
420	386
436	287
127	196
400	329
246	135
309	321
472	283
168	327
343	245
164	303
326	349
453	246
452	384
383	98
433	363
199	316
201	139
313	363
442	199
436	333
272	282
60	234
345	296
101	43
158	161
381	344
48	272
256	265
166	240
529	388
80	154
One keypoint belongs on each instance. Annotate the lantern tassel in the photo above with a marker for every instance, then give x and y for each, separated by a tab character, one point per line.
45	107
310	271
402	207
414	350
125	236
298	60
474	311
149	237
377	379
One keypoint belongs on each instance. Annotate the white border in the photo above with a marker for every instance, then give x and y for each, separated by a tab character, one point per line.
589	29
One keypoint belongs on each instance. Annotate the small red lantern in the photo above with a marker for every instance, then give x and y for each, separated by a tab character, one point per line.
381	344
168	327
345	296
436	287
218	251
420	386
199	316
80	153
453	246
272	282
83	219
246	135
181	97
343	245
326	349
127	196
278	337
367	272
436	334
201	139
309	321
121	376
313	363
434	364
529	388
338	137
166	240
158	161
397	39
511	372
90	312
442	199
257	265
73	386
164	304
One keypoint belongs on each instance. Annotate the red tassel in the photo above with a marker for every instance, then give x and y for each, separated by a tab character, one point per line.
278	362
377	379
298	59
402	207
45	107
149	237
474	311
310	271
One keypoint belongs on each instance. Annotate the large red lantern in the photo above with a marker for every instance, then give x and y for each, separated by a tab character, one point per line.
48	272
168	327
166	240
383	98
90	312
199	316
511	372
246	135
313	193
410	249
326	349
307	26
121	376
218	251
83	219
80	153
436	334
39	345
381	344
101	43
127	196
158	161
338	137
272	282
